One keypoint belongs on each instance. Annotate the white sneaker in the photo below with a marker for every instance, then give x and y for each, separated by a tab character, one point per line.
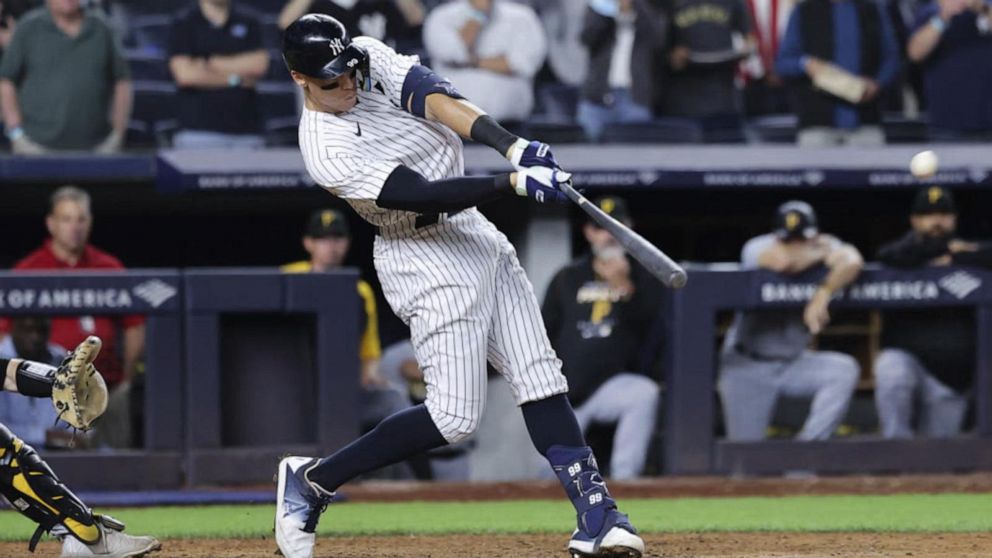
298	507
113	544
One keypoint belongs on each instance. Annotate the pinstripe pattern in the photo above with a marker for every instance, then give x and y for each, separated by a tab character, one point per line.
457	284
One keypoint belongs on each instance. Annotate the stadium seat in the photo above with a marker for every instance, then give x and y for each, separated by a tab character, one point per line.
282	131
899	129
554	131
277	67
557	101
139	136
662	130
147	67
775	128
271	34
154	105
723	129
268	7
276	100
150	33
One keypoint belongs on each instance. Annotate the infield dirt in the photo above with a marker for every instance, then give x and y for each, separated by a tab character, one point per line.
737	545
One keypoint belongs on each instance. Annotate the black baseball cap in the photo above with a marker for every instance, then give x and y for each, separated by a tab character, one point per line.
795	220
327	222
614	207
934	199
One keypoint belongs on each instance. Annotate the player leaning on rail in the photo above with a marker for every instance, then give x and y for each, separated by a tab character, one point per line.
382	132
80	396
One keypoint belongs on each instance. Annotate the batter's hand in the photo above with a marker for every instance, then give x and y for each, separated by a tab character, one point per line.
542	184
526	154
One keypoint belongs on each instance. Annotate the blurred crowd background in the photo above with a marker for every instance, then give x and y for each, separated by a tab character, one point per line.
661	71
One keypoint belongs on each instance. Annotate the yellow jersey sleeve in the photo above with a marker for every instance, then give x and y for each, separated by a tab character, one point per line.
370	347
297	267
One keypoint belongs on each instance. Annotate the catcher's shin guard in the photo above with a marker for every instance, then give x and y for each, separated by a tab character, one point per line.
33	489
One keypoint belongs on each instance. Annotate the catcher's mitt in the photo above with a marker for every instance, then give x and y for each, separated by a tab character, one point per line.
78	391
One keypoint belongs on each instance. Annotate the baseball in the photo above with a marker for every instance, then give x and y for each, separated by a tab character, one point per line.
923	164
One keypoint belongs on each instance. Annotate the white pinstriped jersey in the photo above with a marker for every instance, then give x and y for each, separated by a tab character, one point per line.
351	154
457	284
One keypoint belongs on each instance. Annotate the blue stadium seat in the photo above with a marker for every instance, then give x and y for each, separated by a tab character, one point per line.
282	131
723	129
150	33
276	100
271	34
554	131
277	67
899	129
557	101
139	136
775	128
154	105
147	67
661	130
270	7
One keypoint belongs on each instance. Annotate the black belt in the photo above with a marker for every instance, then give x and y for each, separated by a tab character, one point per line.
742	350
427	219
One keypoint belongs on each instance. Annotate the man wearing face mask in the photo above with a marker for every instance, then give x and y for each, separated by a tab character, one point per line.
928	356
598	311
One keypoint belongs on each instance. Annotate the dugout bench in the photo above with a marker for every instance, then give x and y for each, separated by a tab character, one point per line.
689	405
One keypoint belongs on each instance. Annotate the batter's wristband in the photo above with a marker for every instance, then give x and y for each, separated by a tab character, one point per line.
487	131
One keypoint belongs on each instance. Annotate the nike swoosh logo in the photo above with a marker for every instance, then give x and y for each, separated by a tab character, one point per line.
359	132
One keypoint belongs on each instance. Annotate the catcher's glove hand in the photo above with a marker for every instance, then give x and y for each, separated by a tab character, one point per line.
78	391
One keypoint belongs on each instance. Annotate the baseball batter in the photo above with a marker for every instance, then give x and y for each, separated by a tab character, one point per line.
32	488
383	132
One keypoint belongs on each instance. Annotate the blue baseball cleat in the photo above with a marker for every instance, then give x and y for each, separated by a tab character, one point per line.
299	504
617	539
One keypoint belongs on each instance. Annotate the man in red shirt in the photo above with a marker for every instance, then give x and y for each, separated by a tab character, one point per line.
69	222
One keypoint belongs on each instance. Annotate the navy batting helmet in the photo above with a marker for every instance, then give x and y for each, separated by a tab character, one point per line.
318	46
795	220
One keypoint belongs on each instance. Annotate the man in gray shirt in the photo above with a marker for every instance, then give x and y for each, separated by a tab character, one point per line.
61	76
766	354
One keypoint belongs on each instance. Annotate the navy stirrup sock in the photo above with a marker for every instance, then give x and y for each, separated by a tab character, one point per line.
551	422
396	438
556	435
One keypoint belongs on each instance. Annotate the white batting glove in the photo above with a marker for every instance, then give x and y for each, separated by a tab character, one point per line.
542	184
526	154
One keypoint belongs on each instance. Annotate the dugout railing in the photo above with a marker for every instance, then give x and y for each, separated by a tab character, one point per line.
156	294
218	393
689	407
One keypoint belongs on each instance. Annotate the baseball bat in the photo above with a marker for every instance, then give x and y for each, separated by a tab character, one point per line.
654	260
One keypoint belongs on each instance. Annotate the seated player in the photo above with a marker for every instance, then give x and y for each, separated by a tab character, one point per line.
28	483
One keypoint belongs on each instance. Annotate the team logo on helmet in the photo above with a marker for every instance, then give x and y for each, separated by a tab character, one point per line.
336	45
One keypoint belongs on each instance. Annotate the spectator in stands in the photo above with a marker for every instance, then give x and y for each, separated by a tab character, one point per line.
563	21
623	37
597	311
216	58
69	223
52	47
765	353
707	39
953	39
764	92
397	22
10	12
928	356
327	240
846	47
490	50
30	417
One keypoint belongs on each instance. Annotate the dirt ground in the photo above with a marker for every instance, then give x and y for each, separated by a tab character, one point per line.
736	545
